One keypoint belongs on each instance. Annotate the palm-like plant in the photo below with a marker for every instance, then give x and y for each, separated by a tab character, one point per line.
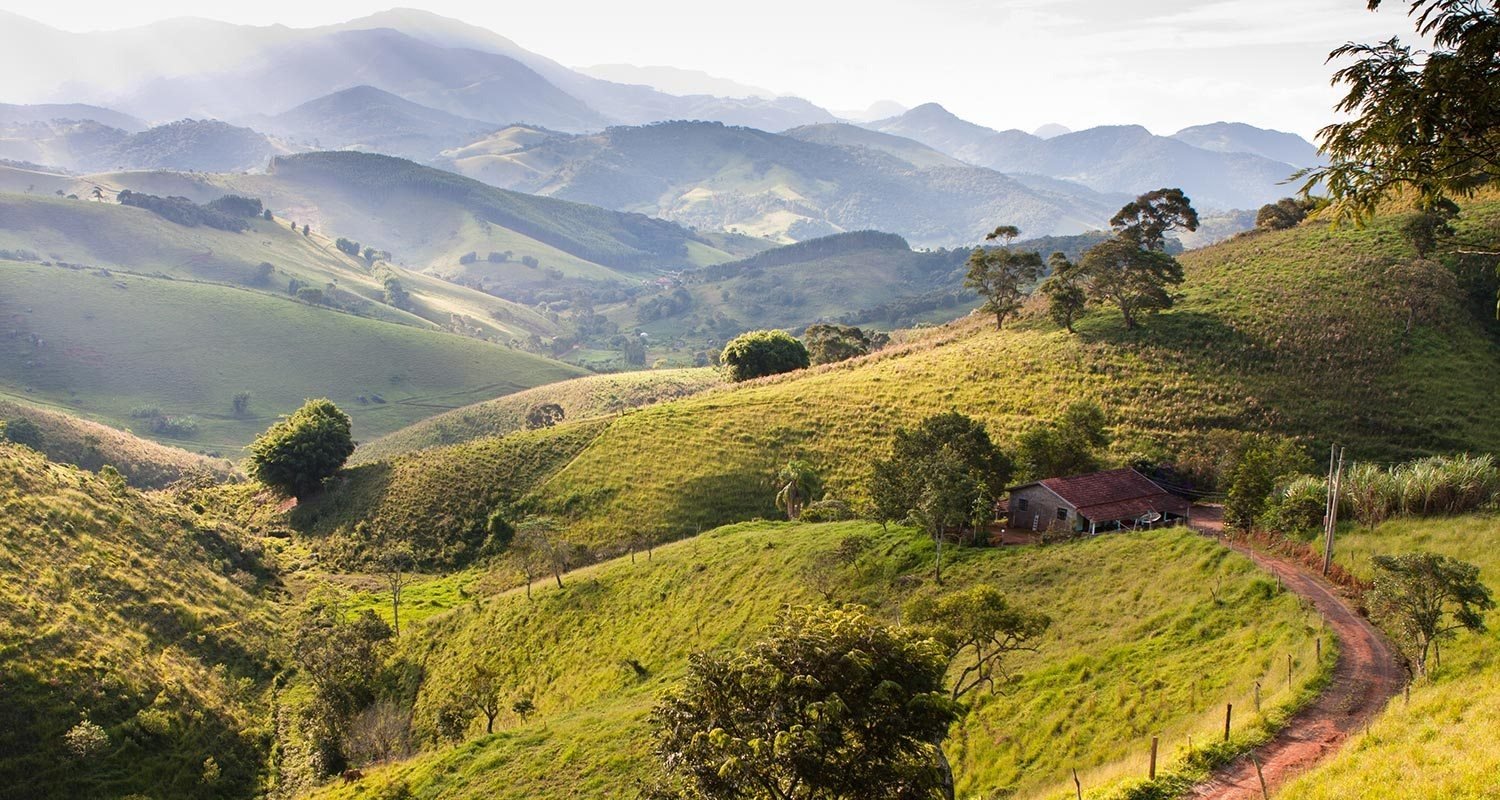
796	484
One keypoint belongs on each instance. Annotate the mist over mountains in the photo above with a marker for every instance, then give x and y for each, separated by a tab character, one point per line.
220	97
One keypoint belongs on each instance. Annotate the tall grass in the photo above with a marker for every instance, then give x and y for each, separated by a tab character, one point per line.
1433	486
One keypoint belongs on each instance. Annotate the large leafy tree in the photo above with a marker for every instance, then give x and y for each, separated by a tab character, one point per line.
1065	298
978	627
1425	598
1422	120
1002	276
1132	269
944	474
299	452
827	343
760	353
831	705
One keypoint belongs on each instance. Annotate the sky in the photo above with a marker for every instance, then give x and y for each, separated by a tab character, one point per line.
1165	64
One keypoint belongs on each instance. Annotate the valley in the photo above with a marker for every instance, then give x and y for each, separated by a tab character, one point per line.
1043	404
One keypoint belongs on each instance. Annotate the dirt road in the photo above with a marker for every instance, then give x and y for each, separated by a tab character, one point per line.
1366	676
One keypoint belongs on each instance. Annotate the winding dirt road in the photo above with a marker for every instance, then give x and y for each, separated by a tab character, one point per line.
1366	675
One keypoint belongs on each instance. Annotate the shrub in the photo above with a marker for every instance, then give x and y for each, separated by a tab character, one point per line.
1297	506
829	509
23	431
299	452
760	353
86	739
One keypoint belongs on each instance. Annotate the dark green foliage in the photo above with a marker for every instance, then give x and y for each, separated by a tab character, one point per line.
1425	598
760	353
237	206
184	211
830	705
341	658
266	215
1429	226
1003	277
23	431
1065	298
829	343
796	483
311	295
544	415
263	272
1422	120
241	404
1288	212
1070	445
347	247
977	627
1252	471
1133	269
299	452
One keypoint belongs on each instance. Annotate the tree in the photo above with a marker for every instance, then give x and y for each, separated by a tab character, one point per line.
299	452
347	247
1422	121
828	343
481	693
942	475
369	254
97	194
266	215
523	707
1069	445
1001	276
831	704
539	549
341	657
395	567
796	483
544	415
1288	212
1132	268
1429	226
1065	298
977	627
760	353
1256	465
240	404
1425	598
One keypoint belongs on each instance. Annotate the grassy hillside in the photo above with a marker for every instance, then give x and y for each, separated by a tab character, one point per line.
438	500
1431	747
580	398
133	613
1302	332
119	237
67	439
120	349
1122	661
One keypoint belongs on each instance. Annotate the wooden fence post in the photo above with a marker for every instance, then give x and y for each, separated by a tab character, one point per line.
1257	697
1228	712
1319	643
1264	792
1152	774
1289	670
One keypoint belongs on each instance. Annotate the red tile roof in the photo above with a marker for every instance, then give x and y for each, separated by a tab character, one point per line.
1114	494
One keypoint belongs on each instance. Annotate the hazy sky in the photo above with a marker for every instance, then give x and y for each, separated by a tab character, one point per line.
1003	63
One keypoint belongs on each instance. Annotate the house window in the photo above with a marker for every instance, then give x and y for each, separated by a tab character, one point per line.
1021	504
1062	513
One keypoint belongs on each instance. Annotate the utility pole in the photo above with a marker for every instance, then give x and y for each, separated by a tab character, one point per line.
1331	518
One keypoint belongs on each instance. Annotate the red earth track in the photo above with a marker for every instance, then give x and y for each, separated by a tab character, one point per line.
1366	676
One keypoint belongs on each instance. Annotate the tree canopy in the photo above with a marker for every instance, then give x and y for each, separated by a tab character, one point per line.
1425	598
831	704
1003	277
1423	121
1132	269
760	353
299	452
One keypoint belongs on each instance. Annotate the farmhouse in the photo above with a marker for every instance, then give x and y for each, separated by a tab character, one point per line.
1098	501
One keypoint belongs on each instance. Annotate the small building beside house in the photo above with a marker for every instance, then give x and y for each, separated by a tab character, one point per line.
1099	501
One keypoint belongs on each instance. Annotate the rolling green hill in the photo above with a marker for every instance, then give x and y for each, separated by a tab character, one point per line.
1425	749
124	349
136	615
117	237
1123	661
580	398
1317	333
144	464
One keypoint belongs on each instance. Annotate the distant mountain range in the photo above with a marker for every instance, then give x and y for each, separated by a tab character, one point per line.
1220	166
811	181
441	92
